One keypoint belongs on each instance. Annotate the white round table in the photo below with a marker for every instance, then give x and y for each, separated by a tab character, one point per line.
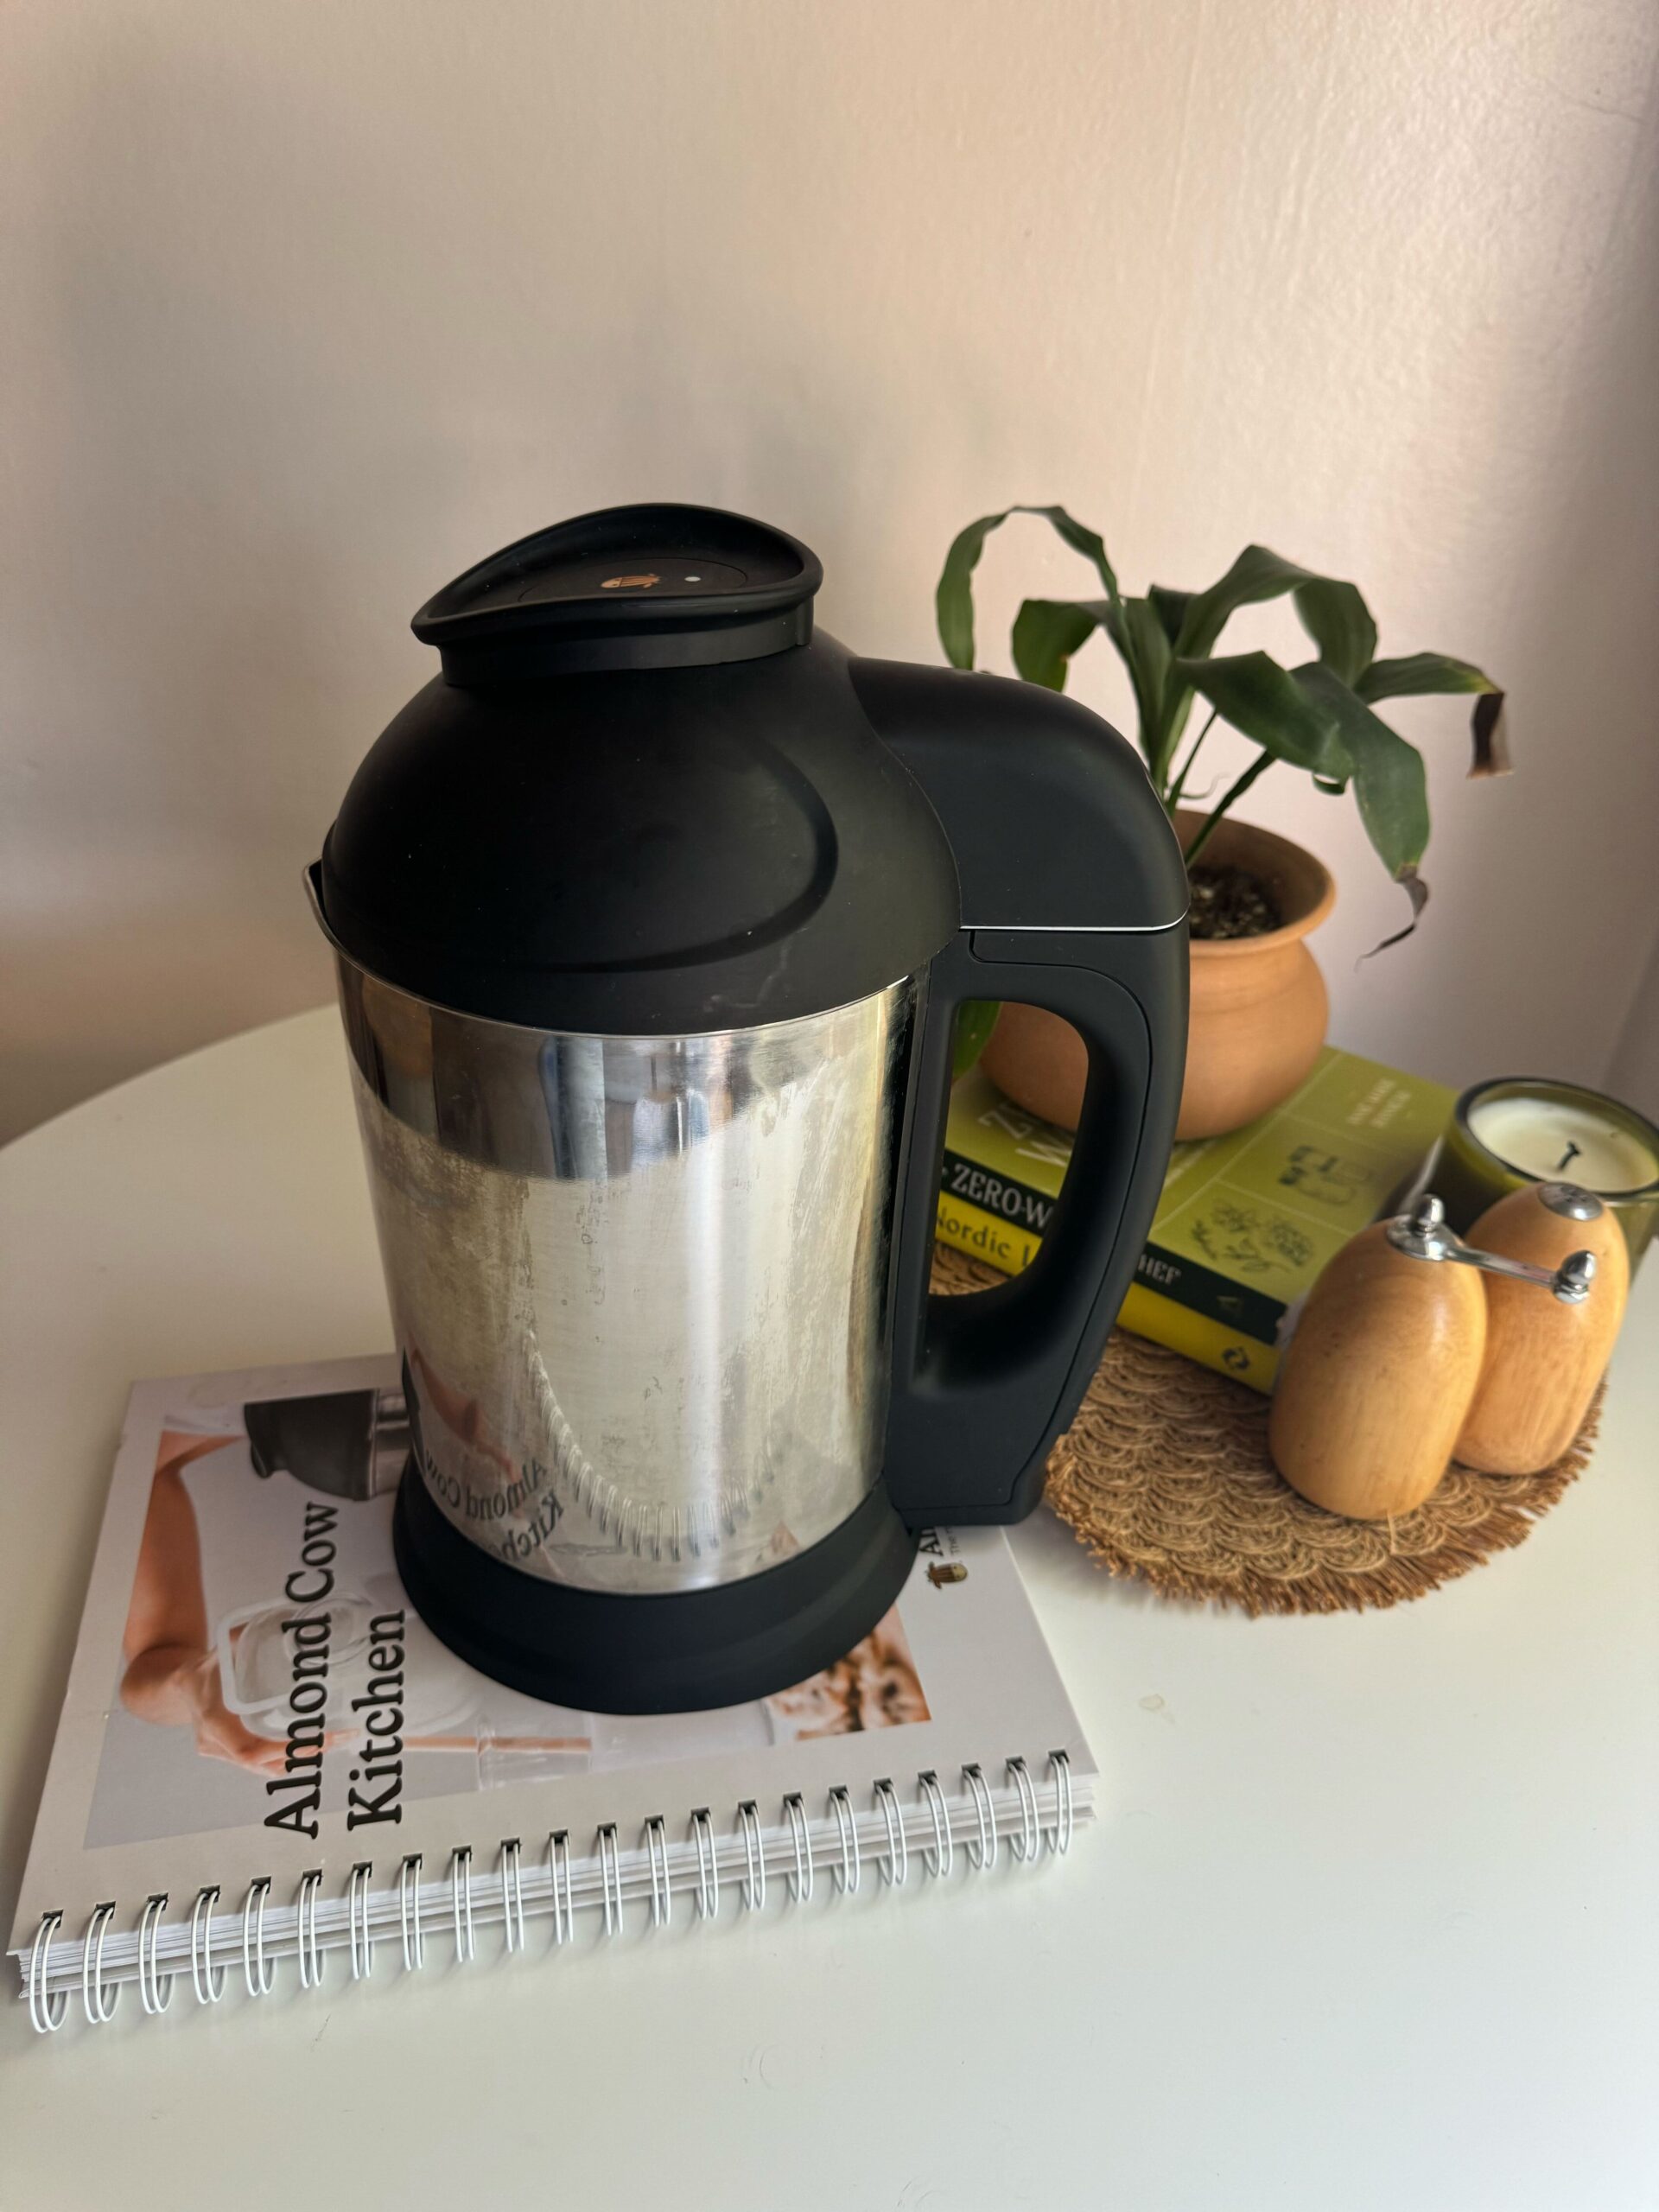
1368	1921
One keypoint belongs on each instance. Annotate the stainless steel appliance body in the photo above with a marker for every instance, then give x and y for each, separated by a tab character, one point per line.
652	913
640	1284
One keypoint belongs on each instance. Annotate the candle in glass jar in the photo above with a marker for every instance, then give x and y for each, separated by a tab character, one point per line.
1520	1129
1556	1137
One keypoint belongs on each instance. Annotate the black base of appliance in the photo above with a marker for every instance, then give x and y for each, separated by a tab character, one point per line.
674	1652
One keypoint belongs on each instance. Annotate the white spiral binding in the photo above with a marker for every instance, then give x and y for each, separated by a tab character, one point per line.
155	1990
662	1895
982	1849
707	1865
258	1973
1060	1839
896	1864
512	1896
800	1878
357	1921
305	1930
46	2010
558	1864
99	1995
610	1879
208	1992
754	1856
940	1852
409	1914
847	1874
461	1902
99	2003
1030	1838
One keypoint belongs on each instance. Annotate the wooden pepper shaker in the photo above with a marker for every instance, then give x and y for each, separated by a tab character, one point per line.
1375	1384
1544	1357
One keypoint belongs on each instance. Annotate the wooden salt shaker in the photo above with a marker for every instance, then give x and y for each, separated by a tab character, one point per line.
1375	1384
1544	1356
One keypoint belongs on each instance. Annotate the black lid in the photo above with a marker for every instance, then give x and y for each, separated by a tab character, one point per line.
652	587
635	815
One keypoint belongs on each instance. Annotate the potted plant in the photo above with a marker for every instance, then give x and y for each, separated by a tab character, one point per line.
1259	1005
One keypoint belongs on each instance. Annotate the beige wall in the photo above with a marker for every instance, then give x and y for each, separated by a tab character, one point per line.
308	305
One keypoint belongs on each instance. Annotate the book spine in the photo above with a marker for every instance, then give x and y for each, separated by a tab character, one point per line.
1210	1343
1173	1302
1017	1203
1006	1239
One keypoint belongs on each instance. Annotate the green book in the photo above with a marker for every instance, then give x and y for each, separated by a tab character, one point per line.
1246	1222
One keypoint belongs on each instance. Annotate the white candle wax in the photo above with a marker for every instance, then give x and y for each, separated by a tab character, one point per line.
1555	1138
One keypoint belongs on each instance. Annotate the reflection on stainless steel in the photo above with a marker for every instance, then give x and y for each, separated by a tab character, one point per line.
638	1284
346	1443
389	1441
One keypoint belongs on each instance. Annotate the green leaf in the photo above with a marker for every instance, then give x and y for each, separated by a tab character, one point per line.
976	1019
1048	631
1339	622
1136	629
1172	607
954	599
1389	786
1081	539
1418	674
1258	574
1334	614
1415	890
1256	695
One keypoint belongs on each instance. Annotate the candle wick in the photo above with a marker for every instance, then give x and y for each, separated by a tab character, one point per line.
1568	1156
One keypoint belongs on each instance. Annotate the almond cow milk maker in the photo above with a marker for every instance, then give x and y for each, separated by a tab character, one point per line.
651	915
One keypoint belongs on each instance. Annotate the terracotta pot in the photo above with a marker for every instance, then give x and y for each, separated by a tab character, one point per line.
1259	1005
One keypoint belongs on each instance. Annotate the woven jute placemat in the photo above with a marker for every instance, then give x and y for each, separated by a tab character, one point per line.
1165	1476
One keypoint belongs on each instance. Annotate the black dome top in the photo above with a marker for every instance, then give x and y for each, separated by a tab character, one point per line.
633	814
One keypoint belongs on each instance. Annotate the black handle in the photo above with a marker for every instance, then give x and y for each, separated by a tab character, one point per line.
1074	898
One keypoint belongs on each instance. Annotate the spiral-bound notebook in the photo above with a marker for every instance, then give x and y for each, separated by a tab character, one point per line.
266	1760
